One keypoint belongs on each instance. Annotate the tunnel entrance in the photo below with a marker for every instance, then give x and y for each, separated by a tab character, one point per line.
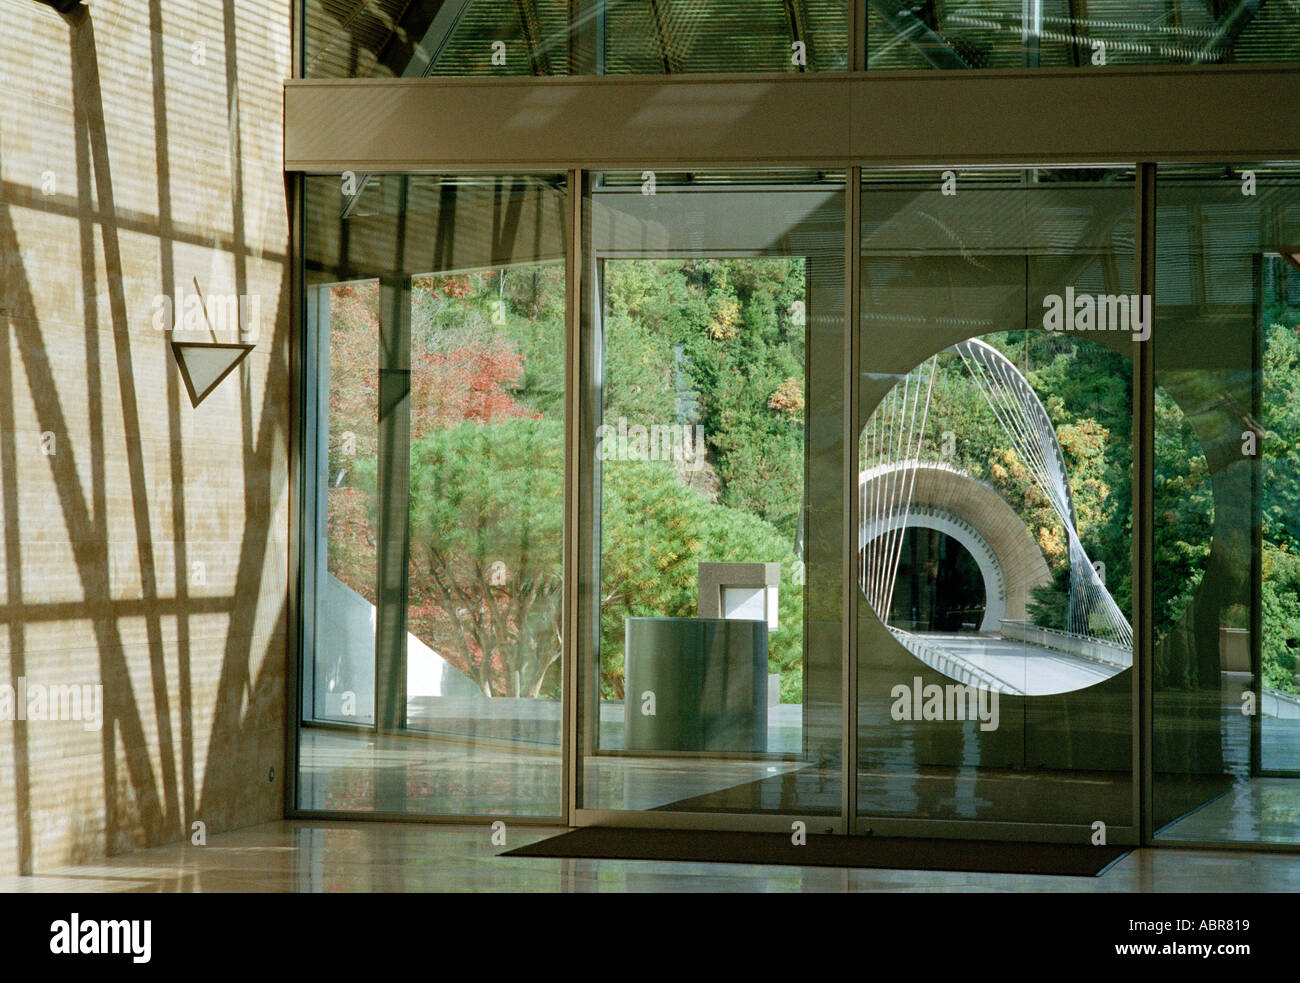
939	585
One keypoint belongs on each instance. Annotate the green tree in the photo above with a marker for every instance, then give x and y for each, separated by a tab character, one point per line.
1280	493
1049	604
654	535
486	523
1280	600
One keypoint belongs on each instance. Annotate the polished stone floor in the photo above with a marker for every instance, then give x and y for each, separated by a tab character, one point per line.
365	773
309	856
1261	810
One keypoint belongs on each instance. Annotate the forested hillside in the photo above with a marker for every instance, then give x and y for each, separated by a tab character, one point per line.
719	344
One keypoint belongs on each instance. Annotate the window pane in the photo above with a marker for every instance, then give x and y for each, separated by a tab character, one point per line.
995	639
347	326
1227	541
964	34
711	659
395	39
437	568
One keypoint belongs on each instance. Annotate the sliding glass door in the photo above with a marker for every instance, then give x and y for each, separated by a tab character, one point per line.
437	374
994	552
712	475
1226	581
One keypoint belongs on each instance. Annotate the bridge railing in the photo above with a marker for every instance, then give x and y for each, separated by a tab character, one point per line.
951	666
1081	646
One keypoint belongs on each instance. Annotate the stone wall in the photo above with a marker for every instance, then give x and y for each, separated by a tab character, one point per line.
144	547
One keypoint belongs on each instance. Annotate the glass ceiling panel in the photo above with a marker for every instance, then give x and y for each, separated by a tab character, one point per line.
962	34
414	38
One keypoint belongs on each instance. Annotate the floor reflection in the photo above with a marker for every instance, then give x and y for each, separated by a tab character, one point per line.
315	856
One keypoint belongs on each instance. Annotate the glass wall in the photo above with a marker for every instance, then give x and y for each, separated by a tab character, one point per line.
345	345
436	377
390	39
712	463
965	34
395	38
1226	581
712	480
995	639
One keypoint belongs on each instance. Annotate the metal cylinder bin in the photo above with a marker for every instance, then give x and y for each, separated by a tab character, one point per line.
696	684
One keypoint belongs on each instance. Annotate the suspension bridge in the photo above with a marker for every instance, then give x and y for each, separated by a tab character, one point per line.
905	485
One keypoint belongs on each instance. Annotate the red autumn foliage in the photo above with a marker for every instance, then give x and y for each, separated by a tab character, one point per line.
468	383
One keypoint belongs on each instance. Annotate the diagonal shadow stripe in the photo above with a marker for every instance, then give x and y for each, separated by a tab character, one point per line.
89	106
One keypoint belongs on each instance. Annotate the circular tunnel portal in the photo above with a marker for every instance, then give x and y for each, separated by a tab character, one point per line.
939	585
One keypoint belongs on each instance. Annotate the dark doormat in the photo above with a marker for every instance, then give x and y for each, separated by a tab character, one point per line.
1058	797
884	852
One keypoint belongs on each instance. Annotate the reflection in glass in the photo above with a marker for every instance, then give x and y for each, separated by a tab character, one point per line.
390	39
1028	612
1226	743
965	34
709	683
438	569
994	635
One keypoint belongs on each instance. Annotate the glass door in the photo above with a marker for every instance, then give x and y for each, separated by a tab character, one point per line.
436	334
712	481
995	638
1226	678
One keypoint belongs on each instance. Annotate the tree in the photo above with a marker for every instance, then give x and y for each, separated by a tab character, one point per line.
1049	604
712	342
353	435
468	374
1280	600
1280	507
654	535
486	534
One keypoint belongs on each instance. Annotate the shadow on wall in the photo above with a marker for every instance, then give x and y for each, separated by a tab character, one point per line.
153	789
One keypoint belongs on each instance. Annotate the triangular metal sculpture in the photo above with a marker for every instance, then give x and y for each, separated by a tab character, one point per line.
204	364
